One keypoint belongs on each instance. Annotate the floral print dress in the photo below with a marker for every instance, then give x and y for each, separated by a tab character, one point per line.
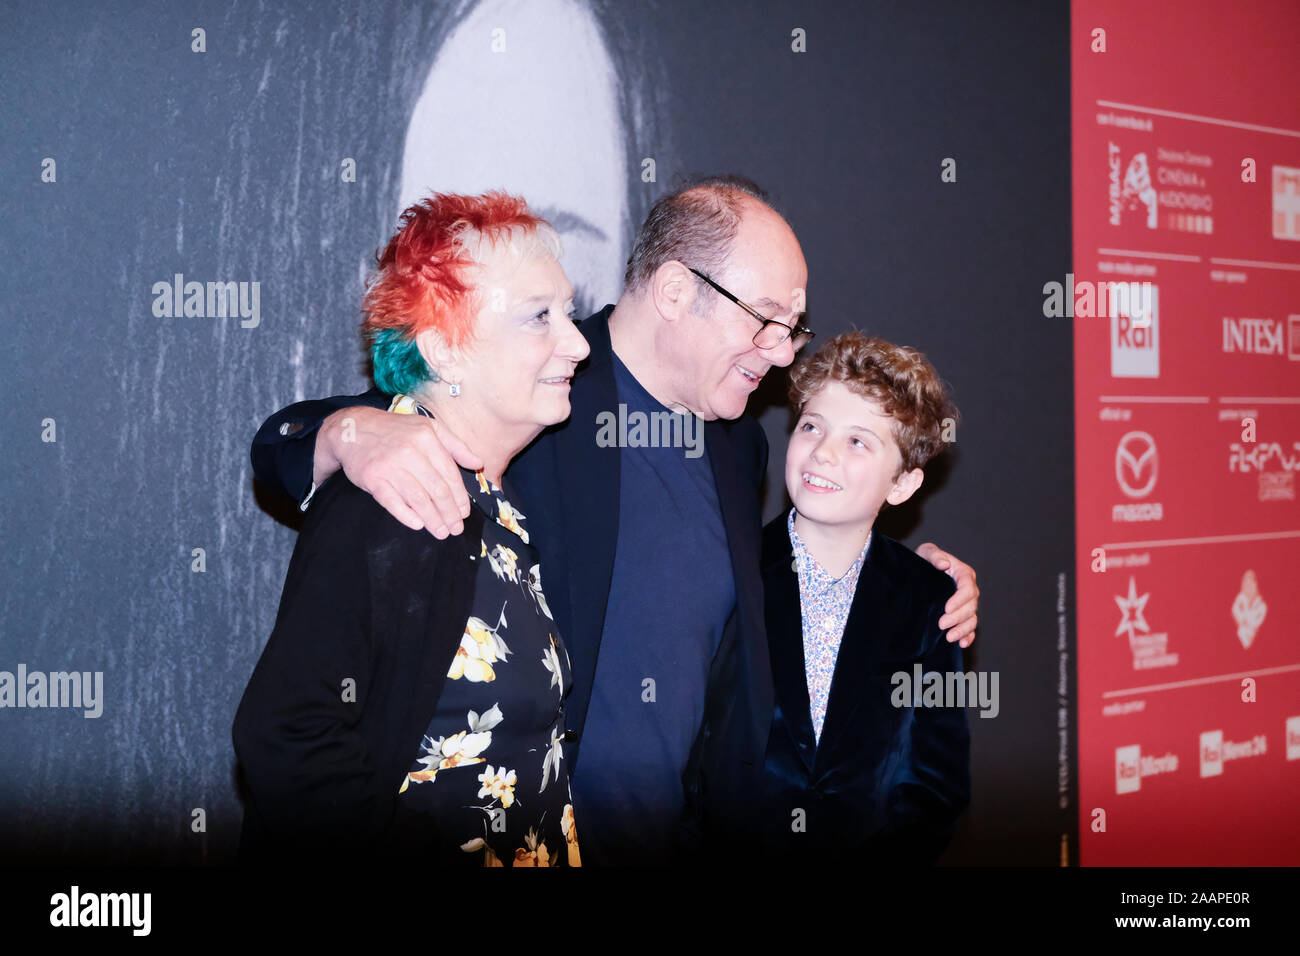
490	769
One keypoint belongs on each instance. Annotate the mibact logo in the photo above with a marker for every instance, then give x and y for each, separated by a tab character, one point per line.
1133	192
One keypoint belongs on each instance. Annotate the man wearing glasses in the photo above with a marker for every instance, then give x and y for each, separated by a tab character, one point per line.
652	572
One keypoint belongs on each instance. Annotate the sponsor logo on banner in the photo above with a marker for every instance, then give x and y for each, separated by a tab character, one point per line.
1149	649
1215	751
1245	457
1293	337
1293	738
1128	778
1254	336
1131	190
1211	753
1136	470
1135	331
1180	178
1136	464
1131	765
1249	609
1286	203
1277	486
1276	483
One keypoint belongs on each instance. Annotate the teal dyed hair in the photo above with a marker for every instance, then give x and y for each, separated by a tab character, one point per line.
399	366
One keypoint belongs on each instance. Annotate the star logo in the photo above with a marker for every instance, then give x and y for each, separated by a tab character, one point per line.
1131	608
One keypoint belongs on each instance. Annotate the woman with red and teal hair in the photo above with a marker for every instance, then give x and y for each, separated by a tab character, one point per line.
410	701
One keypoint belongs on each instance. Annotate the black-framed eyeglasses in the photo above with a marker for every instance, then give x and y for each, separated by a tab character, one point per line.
773	333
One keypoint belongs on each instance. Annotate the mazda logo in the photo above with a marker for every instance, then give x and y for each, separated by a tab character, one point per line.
1135	458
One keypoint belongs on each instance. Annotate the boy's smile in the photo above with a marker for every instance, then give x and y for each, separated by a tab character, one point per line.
818	484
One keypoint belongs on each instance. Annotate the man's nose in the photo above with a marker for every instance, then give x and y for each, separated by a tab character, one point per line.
783	354
822	452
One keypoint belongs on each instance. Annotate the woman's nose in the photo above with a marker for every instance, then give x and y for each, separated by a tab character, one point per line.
574	344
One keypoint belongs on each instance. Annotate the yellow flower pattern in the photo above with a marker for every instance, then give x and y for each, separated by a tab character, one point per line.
570	830
480	648
501	708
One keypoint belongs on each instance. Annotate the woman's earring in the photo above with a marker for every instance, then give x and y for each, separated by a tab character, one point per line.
453	389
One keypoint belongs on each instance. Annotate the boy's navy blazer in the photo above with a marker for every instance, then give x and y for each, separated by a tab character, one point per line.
568	487
883	781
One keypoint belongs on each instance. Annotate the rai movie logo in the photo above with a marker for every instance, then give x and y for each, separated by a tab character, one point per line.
1131	765
1128	778
1212	753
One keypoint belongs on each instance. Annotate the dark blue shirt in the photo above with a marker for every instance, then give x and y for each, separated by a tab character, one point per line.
670	596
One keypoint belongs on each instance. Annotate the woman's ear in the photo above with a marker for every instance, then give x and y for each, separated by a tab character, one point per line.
437	354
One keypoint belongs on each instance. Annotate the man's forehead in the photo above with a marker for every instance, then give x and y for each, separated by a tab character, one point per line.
766	304
771	282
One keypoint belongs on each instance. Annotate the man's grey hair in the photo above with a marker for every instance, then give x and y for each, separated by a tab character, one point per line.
696	225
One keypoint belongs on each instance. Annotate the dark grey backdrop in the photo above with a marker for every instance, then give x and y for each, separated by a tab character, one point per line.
225	166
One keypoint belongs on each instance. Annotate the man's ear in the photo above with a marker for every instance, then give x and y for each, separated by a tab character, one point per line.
673	290
905	485
437	354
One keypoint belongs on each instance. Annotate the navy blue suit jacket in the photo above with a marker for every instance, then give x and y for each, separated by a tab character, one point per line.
884	784
569	488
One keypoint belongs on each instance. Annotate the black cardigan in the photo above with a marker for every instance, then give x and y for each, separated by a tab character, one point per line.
370	619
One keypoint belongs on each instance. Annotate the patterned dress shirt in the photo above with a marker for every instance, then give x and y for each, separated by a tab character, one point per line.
825	602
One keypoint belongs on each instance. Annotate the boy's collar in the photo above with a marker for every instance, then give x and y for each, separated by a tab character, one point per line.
801	550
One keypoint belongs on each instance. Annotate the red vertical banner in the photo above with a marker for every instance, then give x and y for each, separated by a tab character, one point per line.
1185	299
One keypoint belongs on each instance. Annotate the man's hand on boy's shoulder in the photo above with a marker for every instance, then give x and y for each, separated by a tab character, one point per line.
959	617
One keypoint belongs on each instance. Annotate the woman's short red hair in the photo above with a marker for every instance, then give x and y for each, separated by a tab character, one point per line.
422	279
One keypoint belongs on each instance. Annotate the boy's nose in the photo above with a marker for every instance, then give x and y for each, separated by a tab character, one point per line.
822	453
